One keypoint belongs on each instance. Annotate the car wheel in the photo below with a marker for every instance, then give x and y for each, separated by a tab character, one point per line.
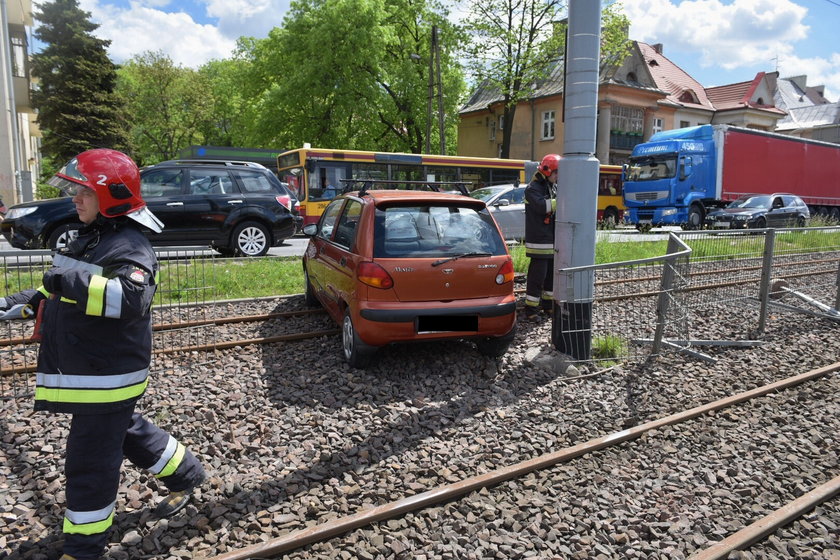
357	353
800	221
610	218
309	293
695	217
62	235
250	239
760	223
495	346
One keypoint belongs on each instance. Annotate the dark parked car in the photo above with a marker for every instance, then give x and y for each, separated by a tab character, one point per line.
238	208
760	211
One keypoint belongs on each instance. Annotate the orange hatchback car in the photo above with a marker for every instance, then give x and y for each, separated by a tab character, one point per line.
399	265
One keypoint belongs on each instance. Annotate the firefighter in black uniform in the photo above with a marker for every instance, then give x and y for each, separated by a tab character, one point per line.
540	202
95	351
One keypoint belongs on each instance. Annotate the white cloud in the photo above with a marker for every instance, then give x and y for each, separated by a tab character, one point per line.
734	35
250	18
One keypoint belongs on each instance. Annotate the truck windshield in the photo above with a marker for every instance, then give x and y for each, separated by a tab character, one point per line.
649	169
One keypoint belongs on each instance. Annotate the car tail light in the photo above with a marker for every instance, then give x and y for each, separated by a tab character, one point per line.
285	200
374	275
505	273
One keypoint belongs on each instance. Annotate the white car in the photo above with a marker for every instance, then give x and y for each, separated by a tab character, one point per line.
507	204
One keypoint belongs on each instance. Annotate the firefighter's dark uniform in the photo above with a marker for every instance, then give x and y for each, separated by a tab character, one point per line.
539	243
94	363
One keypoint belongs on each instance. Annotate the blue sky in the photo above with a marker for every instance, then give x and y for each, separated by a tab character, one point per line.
716	41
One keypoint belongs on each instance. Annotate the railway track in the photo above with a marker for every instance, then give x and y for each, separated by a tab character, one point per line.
293	438
445	494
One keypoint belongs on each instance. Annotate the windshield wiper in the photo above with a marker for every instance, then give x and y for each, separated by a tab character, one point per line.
474	254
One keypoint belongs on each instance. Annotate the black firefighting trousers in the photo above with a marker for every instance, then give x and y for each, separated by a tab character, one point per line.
95	449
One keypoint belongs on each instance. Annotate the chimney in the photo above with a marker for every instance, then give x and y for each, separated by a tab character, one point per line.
658	48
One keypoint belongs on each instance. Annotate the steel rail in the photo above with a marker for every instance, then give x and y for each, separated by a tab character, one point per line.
208	347
769	523
341	525
201	323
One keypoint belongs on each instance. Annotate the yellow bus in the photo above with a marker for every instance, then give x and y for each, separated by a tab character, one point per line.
317	175
610	200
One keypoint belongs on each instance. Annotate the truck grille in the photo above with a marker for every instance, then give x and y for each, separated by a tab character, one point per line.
650	195
645	214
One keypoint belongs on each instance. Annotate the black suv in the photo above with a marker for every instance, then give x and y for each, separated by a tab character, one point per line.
236	207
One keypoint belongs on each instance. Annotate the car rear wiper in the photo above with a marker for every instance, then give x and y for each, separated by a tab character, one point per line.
474	254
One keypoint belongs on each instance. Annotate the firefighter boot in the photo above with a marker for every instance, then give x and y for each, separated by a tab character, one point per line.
176	501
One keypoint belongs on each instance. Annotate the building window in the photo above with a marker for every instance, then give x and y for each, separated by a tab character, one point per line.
19	58
501	122
657	125
491	124
547	125
627	119
684	124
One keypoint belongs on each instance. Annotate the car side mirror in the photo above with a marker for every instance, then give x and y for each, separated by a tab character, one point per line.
502	202
310	229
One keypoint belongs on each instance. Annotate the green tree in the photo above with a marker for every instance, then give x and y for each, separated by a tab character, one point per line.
353	74
75	99
169	106
515	44
233	103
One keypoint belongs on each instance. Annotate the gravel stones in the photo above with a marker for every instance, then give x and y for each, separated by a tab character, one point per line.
291	437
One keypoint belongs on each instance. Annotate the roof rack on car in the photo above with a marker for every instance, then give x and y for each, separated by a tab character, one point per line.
366	185
226	162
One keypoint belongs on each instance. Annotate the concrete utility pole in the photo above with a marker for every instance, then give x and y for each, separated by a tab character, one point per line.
577	183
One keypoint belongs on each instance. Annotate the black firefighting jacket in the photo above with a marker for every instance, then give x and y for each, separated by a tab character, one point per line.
96	324
539	218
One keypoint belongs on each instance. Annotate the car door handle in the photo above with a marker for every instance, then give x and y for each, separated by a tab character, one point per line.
238	201
174	203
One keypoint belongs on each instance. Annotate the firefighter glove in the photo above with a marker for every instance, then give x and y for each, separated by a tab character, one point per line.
19	311
52	280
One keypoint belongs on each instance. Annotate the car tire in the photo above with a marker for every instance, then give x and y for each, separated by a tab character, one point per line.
495	346
251	239
760	223
309	293
800	221
62	235
357	353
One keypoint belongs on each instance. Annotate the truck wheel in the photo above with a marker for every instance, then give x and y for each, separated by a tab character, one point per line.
696	215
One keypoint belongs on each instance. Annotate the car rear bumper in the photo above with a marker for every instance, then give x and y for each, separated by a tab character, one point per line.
379	326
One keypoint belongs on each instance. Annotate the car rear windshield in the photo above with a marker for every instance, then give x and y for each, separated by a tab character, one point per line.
435	231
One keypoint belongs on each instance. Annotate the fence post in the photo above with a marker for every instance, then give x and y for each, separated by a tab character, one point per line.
766	272
837	297
664	293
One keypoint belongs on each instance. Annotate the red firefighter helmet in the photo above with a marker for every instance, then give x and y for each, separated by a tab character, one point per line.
548	165
115	179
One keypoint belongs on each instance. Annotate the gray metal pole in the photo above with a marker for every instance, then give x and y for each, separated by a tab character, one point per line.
764	285
577	181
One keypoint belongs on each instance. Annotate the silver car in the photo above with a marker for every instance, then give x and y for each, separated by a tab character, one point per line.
507	204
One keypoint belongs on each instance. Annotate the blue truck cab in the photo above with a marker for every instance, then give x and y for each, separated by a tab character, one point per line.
669	177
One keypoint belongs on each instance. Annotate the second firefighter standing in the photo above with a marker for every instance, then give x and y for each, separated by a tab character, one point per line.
540	205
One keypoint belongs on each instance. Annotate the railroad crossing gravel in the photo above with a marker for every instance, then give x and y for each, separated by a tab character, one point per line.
291	436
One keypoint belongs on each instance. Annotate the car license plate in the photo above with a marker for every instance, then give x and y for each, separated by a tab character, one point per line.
722	224
645	221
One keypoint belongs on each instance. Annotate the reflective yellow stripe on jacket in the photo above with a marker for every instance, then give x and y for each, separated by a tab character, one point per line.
57	387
